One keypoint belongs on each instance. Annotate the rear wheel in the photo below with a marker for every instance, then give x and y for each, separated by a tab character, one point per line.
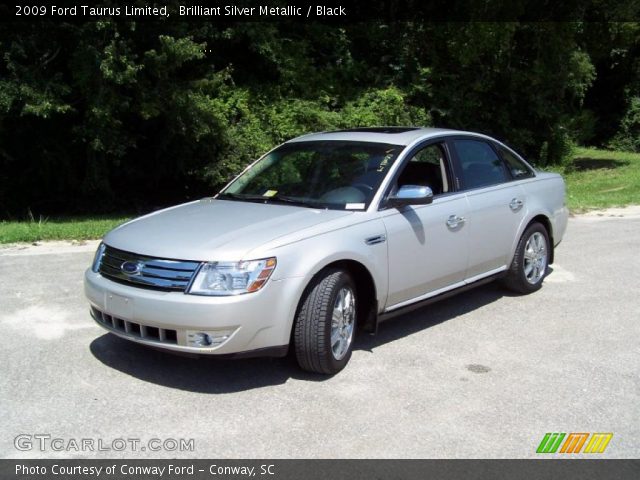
326	323
529	266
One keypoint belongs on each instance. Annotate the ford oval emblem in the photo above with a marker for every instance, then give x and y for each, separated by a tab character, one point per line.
131	268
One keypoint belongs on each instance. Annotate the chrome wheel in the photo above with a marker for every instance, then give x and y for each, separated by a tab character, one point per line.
535	258
342	322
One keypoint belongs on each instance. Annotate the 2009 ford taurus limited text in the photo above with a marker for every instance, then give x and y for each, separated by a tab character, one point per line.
327	233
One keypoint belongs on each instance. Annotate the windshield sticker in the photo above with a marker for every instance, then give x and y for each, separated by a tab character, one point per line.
354	206
269	193
385	161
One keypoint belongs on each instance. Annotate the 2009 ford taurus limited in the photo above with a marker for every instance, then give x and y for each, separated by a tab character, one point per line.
327	233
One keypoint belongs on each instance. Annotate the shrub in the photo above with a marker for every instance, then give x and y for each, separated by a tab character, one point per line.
628	136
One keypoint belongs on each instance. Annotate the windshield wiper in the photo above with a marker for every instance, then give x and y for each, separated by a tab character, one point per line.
295	201
243	197
274	198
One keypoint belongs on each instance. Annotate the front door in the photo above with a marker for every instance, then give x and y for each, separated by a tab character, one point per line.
427	244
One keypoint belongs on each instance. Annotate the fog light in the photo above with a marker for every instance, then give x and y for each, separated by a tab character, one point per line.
207	339
200	339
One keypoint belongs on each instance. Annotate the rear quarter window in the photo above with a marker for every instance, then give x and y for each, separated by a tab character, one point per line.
515	165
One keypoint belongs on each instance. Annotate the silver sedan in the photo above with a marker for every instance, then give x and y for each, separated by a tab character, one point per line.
327	234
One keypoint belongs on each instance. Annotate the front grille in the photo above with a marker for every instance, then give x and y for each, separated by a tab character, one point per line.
153	334
153	273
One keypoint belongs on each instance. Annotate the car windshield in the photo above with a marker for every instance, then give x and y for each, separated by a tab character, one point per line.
320	174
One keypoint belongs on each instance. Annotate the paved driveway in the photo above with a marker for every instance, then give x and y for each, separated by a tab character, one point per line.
485	374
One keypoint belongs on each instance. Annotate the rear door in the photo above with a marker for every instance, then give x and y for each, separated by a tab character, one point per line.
497	204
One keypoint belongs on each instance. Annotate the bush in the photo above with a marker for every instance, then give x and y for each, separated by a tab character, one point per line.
628	136
387	106
557	150
254	125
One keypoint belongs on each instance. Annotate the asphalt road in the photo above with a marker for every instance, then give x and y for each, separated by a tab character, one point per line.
485	374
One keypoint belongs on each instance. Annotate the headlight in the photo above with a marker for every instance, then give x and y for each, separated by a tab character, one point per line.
97	259
232	278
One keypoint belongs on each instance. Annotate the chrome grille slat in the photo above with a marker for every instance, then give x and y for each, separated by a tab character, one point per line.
111	262
173	265
159	283
147	272
119	256
166	274
154	273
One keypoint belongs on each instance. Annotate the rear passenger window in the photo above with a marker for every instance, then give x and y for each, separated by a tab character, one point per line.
516	166
480	164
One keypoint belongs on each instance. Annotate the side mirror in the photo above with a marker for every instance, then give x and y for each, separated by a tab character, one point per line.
411	195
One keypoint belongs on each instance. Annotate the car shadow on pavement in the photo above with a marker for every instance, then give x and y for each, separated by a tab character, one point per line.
431	315
195	374
219	376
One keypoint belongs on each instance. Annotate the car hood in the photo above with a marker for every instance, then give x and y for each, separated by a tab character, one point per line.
211	229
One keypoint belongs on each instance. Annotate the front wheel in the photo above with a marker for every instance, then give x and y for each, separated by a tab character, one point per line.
326	323
529	266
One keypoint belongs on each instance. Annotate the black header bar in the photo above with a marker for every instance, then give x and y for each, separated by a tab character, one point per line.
319	469
326	11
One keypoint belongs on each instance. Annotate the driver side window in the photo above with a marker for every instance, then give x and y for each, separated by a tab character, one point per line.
428	167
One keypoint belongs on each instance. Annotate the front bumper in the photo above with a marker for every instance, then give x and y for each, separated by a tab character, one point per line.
252	322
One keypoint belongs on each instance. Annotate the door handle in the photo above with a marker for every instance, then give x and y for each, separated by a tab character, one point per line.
515	204
455	221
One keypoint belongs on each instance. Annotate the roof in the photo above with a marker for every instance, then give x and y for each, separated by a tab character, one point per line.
390	135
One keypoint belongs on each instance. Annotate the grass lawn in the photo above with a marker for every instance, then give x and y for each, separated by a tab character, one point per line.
70	228
601	179
595	179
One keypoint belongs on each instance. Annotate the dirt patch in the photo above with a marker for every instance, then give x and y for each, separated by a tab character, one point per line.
49	247
581	164
632	211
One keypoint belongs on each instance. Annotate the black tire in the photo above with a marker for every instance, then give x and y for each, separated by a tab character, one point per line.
312	331
516	278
